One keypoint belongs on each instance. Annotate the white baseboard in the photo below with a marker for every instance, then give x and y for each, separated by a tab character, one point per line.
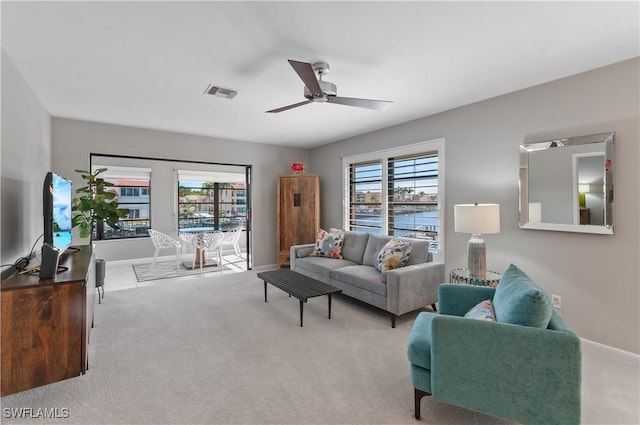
265	268
612	350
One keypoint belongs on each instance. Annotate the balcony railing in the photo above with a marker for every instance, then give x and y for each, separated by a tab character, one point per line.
128	228
208	223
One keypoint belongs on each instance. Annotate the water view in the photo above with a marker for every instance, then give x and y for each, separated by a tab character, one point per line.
413	224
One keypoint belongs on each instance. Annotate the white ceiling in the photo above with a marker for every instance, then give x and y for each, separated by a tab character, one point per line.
147	64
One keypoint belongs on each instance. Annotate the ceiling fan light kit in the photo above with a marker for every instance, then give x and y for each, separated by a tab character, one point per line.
318	90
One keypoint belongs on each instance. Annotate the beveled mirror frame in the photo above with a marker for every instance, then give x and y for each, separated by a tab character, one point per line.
592	145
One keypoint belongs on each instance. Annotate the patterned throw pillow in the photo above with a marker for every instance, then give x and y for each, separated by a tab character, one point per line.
328	244
482	311
394	254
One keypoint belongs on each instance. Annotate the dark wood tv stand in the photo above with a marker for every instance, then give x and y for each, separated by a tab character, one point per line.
46	323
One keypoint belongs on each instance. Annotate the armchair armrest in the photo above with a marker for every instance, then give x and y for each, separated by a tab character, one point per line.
412	287
526	374
456	299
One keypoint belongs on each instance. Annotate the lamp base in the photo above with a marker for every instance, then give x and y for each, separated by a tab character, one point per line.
477	257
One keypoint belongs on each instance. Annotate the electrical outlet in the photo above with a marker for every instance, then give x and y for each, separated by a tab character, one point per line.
556	301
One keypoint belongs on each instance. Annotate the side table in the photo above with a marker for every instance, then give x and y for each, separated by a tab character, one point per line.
461	275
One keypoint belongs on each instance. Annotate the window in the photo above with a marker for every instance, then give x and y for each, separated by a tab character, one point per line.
211	201
134	176
413	195
396	192
132	188
365	192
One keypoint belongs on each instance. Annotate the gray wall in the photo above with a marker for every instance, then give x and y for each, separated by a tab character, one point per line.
597	276
25	159
74	140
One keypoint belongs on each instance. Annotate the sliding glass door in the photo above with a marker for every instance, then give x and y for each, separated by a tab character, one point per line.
187	196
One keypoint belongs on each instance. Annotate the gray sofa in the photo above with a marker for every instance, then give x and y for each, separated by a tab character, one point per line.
396	291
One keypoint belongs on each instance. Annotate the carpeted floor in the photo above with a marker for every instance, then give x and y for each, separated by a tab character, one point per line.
211	351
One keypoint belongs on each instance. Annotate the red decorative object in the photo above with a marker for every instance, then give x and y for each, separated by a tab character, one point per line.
298	167
607	164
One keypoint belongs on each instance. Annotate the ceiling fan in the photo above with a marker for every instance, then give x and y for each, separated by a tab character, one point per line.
318	90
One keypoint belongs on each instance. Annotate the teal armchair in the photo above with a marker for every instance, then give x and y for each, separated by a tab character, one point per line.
527	374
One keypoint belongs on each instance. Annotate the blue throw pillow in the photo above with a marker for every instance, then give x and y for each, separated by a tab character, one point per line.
519	301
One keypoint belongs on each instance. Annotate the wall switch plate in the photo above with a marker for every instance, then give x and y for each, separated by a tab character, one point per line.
556	301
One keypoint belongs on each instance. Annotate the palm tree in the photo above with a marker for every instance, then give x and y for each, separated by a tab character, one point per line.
402	192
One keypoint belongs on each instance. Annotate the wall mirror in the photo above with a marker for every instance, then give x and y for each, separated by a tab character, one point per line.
567	184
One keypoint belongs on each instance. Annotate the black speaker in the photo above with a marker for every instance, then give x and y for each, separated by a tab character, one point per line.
49	263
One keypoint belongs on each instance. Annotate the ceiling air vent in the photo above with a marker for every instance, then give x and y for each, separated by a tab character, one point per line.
220	92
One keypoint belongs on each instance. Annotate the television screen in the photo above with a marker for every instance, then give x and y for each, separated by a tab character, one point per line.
57	211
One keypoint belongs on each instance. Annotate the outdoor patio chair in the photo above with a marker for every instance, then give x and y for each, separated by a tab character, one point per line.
207	241
233	238
163	241
186	238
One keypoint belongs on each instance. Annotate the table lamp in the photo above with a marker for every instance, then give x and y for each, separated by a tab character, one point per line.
583	189
477	219
535	212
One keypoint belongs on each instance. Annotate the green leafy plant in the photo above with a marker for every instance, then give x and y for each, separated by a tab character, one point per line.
94	205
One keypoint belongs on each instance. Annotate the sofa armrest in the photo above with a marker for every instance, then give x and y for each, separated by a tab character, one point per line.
456	299
299	251
412	287
526	374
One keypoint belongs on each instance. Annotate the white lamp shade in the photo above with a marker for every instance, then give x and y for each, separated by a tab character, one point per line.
584	188
477	218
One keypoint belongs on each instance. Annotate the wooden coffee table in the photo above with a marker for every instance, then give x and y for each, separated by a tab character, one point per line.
297	285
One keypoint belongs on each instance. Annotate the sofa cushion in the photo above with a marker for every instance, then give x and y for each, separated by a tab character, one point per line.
420	251
519	301
482	311
363	277
322	265
419	350
394	254
374	245
328	244
353	246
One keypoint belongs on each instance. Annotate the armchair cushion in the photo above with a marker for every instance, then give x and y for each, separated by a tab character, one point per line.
519	301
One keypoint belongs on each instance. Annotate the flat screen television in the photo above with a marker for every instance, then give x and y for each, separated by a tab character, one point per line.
56	209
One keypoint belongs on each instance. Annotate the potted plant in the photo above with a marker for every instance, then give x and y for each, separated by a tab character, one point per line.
94	207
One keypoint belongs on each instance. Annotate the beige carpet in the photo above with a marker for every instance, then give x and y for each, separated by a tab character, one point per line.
211	351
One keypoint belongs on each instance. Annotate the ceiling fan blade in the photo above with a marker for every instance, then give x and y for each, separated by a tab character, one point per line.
308	76
295	105
361	103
